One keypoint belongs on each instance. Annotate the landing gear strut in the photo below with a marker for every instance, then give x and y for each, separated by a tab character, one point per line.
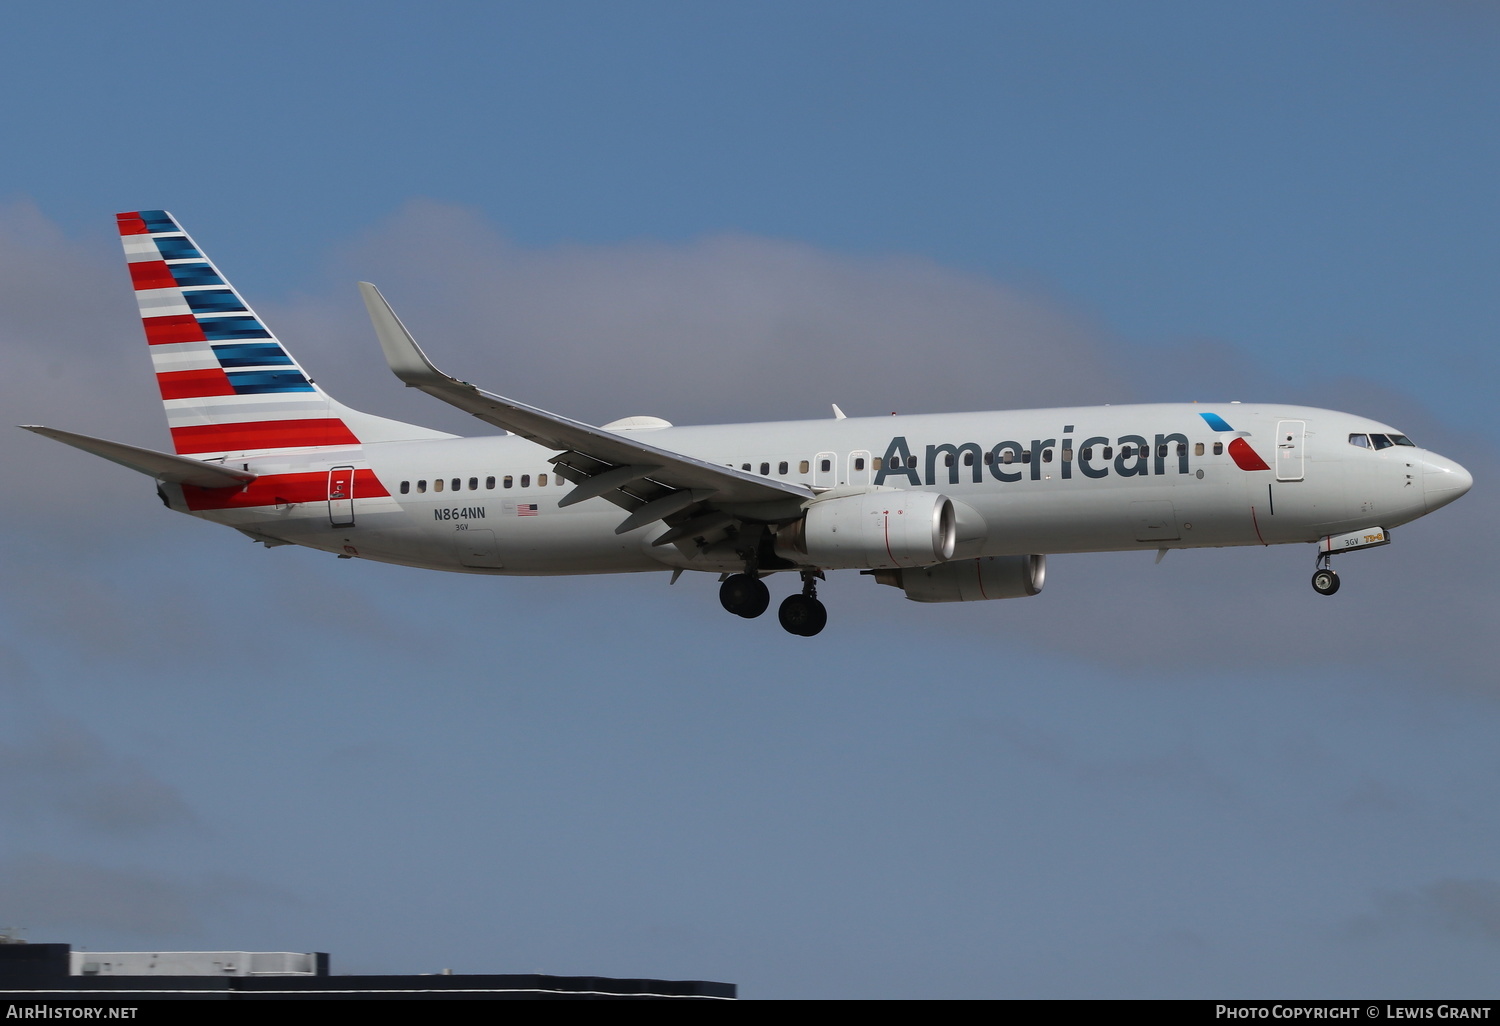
744	595
1324	580
803	614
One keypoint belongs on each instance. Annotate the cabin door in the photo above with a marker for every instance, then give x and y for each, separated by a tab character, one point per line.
1289	443
341	496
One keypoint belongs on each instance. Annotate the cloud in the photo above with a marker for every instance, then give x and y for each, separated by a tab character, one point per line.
48	895
720	329
1467	909
55	768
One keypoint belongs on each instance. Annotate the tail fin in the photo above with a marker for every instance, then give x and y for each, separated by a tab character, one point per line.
228	384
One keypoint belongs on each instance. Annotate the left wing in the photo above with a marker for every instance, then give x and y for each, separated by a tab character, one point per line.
693	496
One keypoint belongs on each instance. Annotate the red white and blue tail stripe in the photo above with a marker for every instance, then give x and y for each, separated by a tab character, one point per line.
229	386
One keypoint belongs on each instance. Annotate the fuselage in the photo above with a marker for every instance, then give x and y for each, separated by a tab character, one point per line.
1081	479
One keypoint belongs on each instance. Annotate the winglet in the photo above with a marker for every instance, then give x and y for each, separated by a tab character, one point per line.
405	357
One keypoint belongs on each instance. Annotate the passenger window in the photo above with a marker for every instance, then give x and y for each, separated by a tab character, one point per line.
781	467
1360	440
1161	451
1109	452
473	484
437	485
859	463
1067	455
1182	448
1198	449
1218	448
911	463
457	483
541	480
1046	455
765	468
525	480
405	487
824	466
989	458
1087	452
489	483
1009	457
508	482
421	487
804	467
1025	455
948	460
745	467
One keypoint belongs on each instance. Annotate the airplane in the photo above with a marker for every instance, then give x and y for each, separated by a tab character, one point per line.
951	507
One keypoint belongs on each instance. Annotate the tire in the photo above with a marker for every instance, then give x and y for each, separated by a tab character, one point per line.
802	616
745	596
1325	582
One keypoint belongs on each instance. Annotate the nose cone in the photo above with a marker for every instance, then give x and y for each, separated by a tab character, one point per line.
1443	480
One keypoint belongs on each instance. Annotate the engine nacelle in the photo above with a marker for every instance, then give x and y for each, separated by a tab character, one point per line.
970	580
872	530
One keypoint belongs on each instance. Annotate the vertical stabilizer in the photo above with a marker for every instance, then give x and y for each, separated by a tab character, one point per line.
228	384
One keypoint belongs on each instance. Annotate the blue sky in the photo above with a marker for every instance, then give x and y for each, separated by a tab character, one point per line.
1192	779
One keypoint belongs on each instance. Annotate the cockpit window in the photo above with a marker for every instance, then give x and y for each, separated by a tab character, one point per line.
1403	440
1381	441
1363	441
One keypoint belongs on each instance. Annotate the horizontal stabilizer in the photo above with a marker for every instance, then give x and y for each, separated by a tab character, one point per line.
160	465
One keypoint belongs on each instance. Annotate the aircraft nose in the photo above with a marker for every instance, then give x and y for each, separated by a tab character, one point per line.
1443	480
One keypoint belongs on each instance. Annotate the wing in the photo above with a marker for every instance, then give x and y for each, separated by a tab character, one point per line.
693	496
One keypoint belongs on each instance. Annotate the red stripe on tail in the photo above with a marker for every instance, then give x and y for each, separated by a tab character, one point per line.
131	224
162	331
194	384
265	434
151	274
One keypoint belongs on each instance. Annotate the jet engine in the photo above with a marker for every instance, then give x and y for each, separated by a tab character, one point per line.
969	580
871	530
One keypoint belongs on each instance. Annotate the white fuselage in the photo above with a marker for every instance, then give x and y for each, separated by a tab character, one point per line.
1028	481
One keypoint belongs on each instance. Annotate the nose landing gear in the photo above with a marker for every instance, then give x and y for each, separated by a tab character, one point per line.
803	614
1324	580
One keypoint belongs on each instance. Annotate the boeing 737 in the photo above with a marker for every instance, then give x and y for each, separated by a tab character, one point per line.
949	507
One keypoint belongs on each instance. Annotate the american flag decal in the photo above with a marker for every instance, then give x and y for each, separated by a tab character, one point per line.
525	509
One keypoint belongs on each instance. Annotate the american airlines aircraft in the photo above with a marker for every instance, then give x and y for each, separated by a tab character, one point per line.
949	507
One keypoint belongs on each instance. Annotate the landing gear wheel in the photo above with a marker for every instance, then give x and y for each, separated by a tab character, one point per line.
802	615
744	595
1325	581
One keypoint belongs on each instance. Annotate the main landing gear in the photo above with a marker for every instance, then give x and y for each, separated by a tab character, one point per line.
803	614
1324	580
744	595
747	595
